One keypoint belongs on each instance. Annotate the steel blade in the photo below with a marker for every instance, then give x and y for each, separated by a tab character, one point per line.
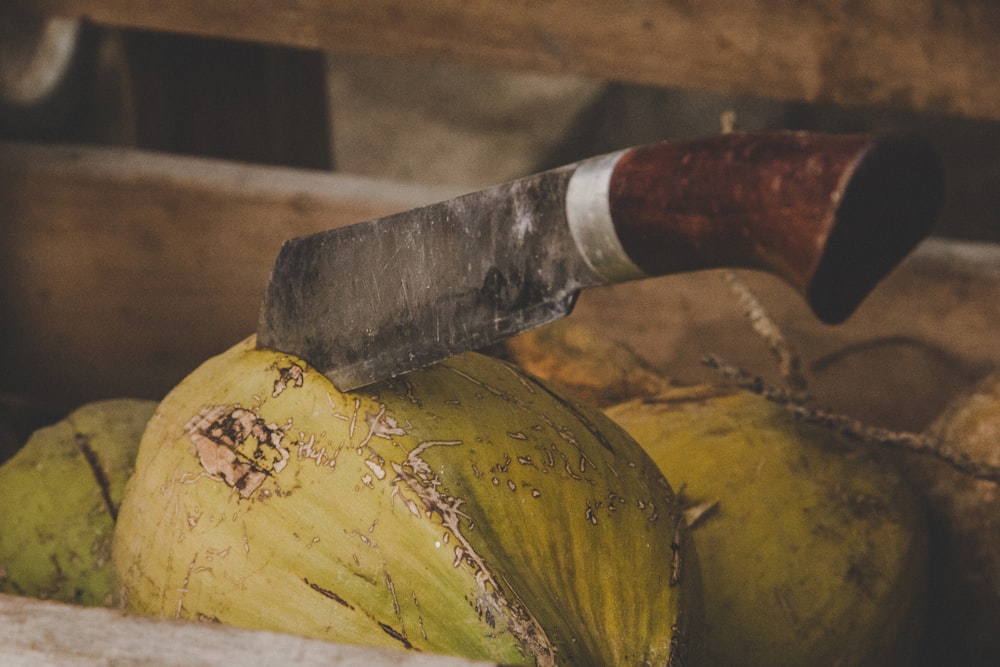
380	298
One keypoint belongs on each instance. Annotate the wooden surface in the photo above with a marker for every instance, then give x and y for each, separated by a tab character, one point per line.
38	633
937	55
121	270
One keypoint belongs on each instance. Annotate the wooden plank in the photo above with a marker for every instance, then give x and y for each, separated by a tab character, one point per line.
911	54
33	632
120	270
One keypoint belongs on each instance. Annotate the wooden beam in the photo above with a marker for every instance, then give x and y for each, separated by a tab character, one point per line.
908	54
120	270
33	632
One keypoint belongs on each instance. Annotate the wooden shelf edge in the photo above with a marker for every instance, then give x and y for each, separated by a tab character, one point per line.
41	632
923	56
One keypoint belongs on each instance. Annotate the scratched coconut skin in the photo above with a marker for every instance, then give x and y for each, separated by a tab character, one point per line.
464	510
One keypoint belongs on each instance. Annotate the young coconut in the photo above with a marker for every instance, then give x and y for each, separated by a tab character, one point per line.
63	488
463	509
813	552
965	530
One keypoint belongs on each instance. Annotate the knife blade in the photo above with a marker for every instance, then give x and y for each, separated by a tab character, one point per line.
829	214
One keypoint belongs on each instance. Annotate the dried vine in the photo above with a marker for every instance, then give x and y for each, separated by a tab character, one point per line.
804	406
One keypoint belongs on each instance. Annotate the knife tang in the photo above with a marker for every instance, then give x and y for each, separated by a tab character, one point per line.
830	214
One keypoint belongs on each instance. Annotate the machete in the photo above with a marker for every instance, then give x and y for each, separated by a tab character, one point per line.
829	214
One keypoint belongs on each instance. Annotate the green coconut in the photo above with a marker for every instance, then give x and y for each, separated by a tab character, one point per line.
813	552
965	530
62	491
462	509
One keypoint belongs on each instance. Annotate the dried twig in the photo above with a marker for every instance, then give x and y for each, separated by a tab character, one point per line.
804	407
769	332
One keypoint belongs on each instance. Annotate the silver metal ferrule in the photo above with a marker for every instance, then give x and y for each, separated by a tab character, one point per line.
588	213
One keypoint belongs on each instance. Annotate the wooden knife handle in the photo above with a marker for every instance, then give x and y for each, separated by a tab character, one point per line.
831	214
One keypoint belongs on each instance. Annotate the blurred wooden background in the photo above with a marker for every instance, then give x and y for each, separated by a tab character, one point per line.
145	188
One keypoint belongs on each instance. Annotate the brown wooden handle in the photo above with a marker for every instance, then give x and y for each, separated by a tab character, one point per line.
831	214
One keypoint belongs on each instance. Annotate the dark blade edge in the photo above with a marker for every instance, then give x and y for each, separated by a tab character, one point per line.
382	367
